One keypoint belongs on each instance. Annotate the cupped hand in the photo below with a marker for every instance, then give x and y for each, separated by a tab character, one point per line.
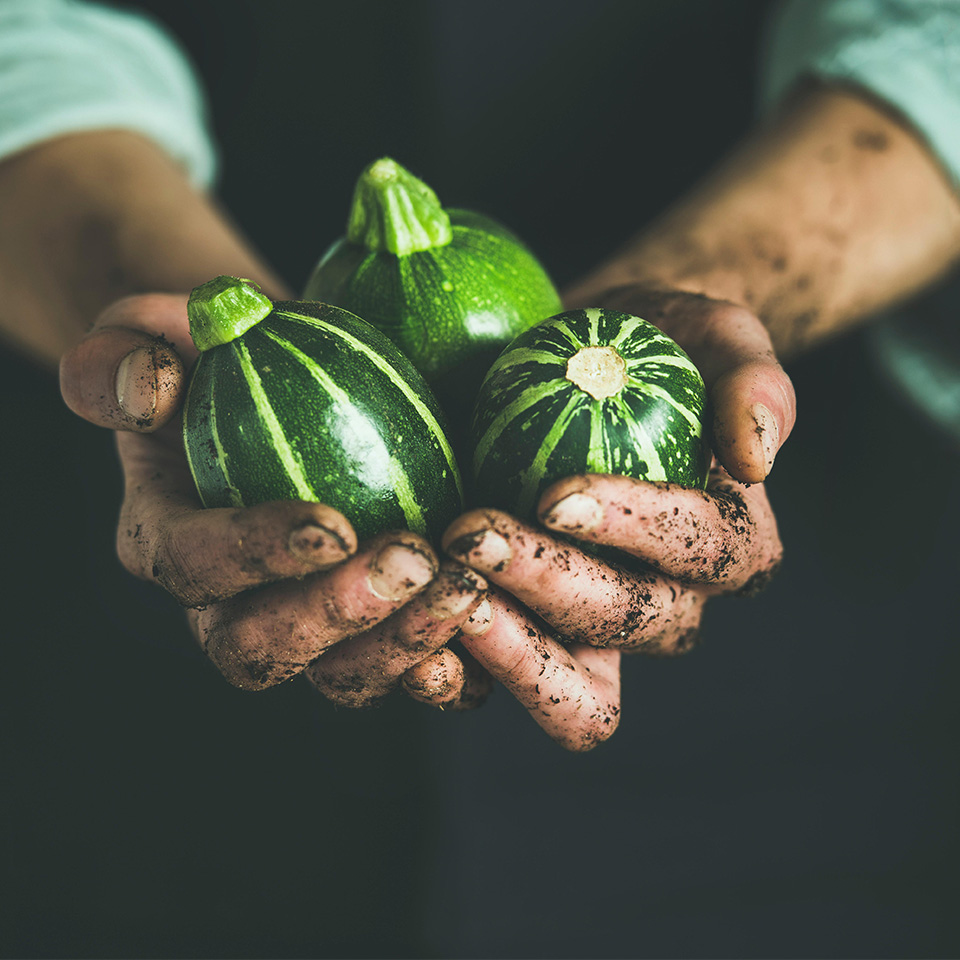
559	616
751	399
269	588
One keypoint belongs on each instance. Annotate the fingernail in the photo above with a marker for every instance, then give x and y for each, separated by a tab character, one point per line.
487	551
453	593
137	384
768	434
399	571
435	680
576	513
480	621
317	545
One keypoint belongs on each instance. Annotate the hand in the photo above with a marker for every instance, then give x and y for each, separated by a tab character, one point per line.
692	544
268	588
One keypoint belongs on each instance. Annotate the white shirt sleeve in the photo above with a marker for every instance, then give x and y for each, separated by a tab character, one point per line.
68	66
905	52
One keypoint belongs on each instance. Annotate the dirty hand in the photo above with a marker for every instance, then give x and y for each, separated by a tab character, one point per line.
692	544
269	588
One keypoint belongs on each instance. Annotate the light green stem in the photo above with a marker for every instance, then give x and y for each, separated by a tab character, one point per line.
395	212
222	309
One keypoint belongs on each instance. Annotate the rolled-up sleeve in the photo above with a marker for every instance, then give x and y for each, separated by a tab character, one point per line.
905	52
68	66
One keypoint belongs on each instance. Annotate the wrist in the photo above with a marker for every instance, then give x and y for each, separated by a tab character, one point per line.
831	212
91	218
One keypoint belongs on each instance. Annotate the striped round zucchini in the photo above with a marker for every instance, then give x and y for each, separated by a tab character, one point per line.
310	402
587	391
450	287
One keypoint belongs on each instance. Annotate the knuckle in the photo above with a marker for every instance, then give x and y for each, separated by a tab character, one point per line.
133	545
177	573
644	612
252	672
524	669
251	655
246	543
130	304
760	580
678	633
129	552
346	614
721	320
723	313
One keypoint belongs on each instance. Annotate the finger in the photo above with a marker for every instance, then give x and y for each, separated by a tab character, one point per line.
265	636
365	668
437	680
754	409
204	556
580	596
753	401
449	680
201	556
572	693
128	372
726	536
477	682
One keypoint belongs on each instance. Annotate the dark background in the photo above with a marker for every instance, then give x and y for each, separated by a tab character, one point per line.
788	789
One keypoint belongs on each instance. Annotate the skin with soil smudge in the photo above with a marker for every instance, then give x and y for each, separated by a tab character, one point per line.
361	670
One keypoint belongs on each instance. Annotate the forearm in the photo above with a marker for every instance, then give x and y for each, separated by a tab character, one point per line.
90	218
832	211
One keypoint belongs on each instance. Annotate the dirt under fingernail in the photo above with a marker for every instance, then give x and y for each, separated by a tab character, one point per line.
480	620
768	434
452	594
576	513
484	550
398	571
316	544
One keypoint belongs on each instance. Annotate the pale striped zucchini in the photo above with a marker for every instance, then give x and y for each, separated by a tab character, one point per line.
587	391
309	402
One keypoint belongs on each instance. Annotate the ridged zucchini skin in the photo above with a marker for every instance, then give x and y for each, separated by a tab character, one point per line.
451	309
313	403
533	426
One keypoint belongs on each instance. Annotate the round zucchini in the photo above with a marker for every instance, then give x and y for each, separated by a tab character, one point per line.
451	288
587	391
305	401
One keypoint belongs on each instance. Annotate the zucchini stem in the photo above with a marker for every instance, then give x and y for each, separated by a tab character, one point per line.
394	212
599	371
223	309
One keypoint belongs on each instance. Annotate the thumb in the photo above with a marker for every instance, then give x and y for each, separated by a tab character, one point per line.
754	410
129	373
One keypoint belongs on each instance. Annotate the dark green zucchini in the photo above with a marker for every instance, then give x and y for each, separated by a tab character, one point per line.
305	401
588	391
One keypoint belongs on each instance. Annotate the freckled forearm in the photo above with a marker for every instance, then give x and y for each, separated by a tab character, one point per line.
827	214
